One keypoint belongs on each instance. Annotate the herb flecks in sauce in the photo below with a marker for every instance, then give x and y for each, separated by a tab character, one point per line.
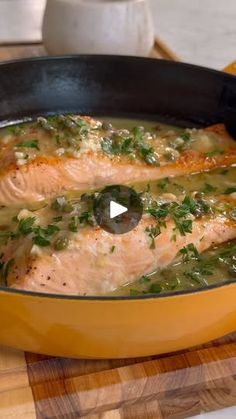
181	200
181	213
195	271
29	144
67	215
72	135
189	252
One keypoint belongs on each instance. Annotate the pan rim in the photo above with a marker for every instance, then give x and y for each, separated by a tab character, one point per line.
102	298
119	58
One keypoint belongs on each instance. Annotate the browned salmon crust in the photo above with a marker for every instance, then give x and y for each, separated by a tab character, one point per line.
46	177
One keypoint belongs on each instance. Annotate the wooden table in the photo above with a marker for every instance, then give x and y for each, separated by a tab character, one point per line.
169	386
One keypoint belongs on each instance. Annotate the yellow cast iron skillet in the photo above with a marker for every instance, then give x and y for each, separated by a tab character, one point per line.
106	327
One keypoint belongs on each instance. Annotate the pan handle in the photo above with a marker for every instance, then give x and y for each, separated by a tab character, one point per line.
230	104
231	68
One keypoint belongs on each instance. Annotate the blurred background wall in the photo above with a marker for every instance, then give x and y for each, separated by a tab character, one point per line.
199	31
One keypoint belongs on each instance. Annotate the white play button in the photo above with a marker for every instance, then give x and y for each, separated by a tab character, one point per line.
116	209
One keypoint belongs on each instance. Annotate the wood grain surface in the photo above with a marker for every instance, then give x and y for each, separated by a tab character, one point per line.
168	386
12	52
175	385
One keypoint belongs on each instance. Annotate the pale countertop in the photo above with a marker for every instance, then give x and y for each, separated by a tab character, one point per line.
200	31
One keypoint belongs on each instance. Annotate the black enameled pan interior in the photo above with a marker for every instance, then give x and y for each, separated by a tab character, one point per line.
117	86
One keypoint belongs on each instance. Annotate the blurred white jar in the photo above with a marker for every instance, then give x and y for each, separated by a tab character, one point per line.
122	27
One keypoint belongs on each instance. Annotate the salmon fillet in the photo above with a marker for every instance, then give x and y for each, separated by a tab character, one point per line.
88	267
97	262
50	170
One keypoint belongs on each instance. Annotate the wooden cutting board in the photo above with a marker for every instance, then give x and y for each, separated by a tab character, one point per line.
169	386
175	385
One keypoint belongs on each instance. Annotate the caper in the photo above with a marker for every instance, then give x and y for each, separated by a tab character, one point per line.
61	243
107	126
199	195
73	225
45	124
59	203
68	123
124	133
202	208
151	158
72	142
233	215
170	156
67	207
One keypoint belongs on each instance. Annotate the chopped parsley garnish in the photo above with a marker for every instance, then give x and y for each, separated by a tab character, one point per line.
164	183
41	241
198	272
134	291
186	136
49	230
132	144
160	211
179	212
184	226
15	129
224	172
153	232
41	235
225	253
155	288
26	225
189	252
86	218
112	249
57	219
230	190
194	271
126	146
29	144
144	279
213	153
208	188
138	133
